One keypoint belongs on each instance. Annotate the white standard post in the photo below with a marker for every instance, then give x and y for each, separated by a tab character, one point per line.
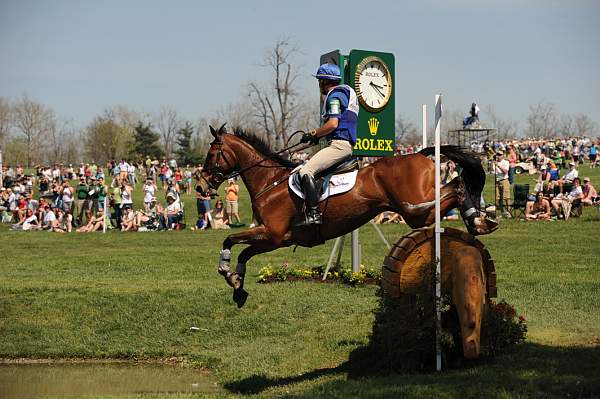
104	214
1	170
355	251
424	124
438	231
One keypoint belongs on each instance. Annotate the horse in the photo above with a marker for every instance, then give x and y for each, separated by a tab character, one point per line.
402	184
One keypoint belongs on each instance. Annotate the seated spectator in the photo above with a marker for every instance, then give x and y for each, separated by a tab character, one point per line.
576	193
64	222
570	176
21	210
590	195
11	200
95	223
219	217
543	179
49	221
4	211
149	215
172	212
538	209
128	221
30	222
554	173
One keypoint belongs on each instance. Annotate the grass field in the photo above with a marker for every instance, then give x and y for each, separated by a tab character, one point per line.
136	295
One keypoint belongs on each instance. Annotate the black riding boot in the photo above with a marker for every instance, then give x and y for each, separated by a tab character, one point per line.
313	216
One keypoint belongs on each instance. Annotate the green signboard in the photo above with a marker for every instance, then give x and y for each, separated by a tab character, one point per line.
371	75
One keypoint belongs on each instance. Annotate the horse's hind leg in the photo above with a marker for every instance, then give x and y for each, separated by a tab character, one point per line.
259	240
239	294
251	236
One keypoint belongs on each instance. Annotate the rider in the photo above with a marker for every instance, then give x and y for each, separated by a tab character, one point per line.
339	116
473	119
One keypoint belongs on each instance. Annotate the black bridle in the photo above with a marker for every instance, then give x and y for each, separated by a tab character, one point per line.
217	174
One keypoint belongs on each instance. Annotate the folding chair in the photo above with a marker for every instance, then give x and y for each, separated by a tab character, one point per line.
520	194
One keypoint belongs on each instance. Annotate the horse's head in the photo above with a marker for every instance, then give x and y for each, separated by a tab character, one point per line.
220	163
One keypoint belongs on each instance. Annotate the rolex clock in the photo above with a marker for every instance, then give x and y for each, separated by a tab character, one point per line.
371	75
373	83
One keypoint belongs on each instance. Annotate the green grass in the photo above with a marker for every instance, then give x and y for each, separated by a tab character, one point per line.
135	295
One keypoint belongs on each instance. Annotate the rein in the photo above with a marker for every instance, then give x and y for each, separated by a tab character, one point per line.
239	172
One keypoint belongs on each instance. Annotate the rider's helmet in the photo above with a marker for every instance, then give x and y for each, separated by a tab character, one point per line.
329	72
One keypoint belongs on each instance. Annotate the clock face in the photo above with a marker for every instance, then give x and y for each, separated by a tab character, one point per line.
373	83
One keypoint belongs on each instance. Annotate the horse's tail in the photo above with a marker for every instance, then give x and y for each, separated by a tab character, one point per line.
472	173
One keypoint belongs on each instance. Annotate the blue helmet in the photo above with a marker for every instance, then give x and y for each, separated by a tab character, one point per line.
329	72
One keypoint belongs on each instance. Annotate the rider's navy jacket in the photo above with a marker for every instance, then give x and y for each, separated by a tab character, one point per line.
341	102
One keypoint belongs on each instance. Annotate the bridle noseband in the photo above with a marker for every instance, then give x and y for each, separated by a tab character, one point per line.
216	171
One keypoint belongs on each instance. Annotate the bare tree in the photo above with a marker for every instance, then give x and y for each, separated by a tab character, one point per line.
168	123
6	119
240	114
566	126
34	121
542	120
407	132
275	108
60	138
505	129
584	125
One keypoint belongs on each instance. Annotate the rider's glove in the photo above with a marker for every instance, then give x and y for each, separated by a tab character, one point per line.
306	138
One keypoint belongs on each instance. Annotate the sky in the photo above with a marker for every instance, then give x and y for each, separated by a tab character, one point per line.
80	57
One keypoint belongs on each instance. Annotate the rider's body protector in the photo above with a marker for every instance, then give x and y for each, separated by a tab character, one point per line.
341	103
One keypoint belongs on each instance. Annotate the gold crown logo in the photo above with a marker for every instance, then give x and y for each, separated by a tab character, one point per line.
373	126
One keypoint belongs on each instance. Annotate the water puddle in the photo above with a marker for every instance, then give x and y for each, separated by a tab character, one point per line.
32	381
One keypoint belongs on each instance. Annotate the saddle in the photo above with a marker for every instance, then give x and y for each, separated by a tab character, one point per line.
337	179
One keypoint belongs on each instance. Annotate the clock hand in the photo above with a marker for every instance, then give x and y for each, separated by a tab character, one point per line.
378	91
376	85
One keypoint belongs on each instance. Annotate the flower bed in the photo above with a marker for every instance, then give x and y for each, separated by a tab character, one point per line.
365	275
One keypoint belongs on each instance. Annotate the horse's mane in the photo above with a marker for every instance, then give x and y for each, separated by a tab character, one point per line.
262	147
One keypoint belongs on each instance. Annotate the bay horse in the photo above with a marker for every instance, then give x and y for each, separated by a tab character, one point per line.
401	184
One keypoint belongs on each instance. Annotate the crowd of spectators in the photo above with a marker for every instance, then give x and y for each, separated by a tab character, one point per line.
558	185
65	198
91	197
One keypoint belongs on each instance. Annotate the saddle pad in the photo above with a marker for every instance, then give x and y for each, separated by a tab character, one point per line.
336	184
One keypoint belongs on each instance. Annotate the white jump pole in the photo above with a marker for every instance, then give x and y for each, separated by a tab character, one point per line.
438	231
424	125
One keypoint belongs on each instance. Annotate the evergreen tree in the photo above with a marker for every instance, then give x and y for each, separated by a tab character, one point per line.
185	151
145	142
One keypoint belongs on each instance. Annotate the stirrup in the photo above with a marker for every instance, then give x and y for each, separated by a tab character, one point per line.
313	217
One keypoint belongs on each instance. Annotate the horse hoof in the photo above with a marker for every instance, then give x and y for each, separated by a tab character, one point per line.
239	297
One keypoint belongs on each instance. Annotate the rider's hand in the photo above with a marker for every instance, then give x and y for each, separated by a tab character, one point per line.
306	138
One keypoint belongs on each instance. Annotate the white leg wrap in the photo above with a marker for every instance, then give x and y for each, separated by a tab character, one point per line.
224	259
470	211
